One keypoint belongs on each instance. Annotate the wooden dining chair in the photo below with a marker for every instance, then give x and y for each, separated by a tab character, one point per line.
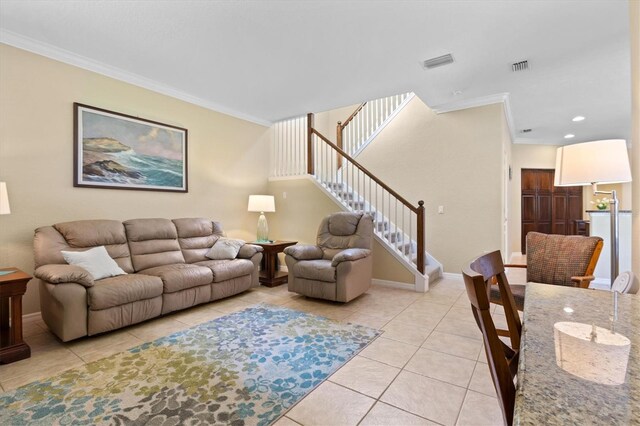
502	359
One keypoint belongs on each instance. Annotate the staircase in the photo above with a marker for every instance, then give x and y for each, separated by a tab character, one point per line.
299	150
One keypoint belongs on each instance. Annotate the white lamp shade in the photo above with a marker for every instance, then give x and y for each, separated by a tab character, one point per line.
585	163
261	203
4	199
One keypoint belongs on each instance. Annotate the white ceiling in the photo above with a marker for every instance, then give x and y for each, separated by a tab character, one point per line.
270	60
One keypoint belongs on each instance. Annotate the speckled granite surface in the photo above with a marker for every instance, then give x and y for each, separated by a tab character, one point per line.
548	395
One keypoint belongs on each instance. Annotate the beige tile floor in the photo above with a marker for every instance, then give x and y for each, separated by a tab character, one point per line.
428	367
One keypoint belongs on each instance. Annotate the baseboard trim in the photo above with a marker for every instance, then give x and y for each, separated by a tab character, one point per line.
393	284
32	316
452	276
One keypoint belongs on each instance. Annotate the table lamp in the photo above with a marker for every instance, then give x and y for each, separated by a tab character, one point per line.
262	204
4	199
591	163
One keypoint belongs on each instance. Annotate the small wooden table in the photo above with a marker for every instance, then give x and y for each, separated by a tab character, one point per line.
12	287
270	276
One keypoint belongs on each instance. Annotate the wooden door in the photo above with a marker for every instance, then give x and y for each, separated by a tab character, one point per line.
547	208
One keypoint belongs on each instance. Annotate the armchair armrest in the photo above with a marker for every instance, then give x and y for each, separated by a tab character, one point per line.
509	265
349	255
583	282
56	274
248	250
304	252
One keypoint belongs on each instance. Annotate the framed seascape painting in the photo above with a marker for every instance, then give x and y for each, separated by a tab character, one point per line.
118	151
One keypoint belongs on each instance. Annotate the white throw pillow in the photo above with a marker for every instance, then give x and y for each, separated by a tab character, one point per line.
96	261
225	248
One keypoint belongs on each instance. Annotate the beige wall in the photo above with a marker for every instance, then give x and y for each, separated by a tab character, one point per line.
452	160
634	12
226	156
298	216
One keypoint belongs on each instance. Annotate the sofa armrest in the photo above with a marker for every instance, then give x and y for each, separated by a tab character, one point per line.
56	274
304	252
248	250
349	255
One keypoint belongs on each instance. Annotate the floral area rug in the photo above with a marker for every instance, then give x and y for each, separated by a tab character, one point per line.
247	368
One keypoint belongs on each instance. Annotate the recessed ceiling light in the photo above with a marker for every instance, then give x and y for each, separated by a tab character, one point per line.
569	136
577	118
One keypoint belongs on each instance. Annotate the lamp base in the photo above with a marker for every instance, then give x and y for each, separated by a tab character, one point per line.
262	236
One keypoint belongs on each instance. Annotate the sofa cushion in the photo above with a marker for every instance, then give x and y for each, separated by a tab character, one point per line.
82	234
196	236
122	289
180	276
224	270
153	242
318	270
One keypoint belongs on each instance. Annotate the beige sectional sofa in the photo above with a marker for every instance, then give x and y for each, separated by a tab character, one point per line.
166	267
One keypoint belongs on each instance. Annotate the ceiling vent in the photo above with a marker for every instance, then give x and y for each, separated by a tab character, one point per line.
520	66
438	62
525	130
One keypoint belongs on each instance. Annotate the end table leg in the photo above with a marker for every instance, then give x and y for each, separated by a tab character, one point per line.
4	322
16	320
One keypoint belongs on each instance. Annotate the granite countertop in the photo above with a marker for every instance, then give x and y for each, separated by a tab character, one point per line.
607	211
549	394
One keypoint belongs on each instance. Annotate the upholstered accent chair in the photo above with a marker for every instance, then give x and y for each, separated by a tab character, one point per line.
567	260
340	266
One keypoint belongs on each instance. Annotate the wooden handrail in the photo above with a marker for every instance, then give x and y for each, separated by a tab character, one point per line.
368	173
352	116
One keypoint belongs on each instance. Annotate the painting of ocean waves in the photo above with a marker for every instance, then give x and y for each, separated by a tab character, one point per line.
148	170
119	151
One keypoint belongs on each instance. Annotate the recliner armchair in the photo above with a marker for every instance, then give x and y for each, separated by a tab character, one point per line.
340	266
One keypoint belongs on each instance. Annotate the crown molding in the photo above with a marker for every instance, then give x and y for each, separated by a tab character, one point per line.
478	102
44	49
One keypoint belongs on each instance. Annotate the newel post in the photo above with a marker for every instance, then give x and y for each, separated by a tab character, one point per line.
310	168
339	143
420	236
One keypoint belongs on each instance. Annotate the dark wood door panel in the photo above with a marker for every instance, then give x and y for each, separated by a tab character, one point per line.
543	212
547	208
559	207
528	208
545	180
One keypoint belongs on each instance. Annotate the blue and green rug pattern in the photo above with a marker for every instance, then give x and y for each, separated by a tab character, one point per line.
246	368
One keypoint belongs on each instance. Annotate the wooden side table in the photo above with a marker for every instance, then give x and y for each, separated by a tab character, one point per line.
270	276
12	287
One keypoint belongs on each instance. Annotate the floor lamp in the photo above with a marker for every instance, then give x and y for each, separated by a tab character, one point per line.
593	163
